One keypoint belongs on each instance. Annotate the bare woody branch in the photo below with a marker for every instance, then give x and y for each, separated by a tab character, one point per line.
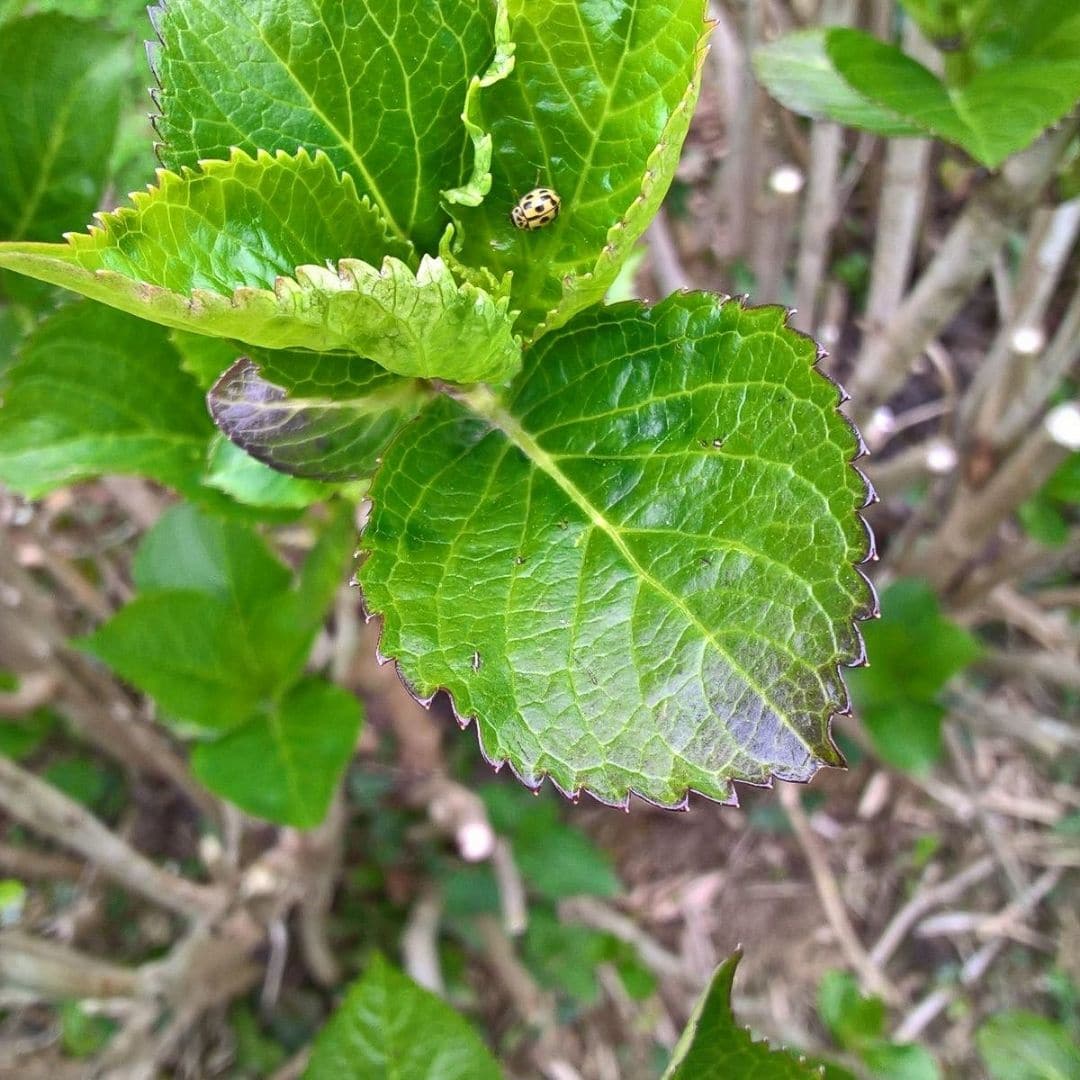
962	262
40	807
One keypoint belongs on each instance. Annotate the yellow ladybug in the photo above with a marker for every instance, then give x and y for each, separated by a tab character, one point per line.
536	209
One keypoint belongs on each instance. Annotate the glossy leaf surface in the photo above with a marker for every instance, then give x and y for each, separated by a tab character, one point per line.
636	571
238	250
378	86
387	1026
596	107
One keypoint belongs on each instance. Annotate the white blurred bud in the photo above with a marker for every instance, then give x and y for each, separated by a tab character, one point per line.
941	457
787	180
475	841
1028	340
1063	424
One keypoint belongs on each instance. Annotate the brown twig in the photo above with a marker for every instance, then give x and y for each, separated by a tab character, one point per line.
832	903
42	808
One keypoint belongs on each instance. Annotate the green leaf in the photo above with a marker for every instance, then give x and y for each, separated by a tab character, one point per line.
995	113
1020	1045
302	745
714	1045
249	481
387	1026
853	78
635	570
913	652
473	191
900	1061
20	736
596	107
83	1034
852	1019
798	70
324	417
190	652
12	901
138	413
240	250
58	74
378	87
190	549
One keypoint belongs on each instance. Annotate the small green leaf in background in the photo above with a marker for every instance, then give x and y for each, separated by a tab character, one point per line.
311	416
853	1019
247	480
20	736
12	900
83	1034
714	1045
556	859
1020	1045
95	784
58	73
300	744
1005	98
189	549
140	414
1046	516
913	652
219	634
857	1023
638	575
388	1027
257	1054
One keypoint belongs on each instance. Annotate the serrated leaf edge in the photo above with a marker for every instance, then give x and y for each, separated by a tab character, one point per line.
475	189
872	611
621	237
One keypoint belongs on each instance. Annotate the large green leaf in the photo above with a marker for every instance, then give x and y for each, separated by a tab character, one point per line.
58	75
96	391
636	570
311	415
596	107
378	86
388	1027
301	743
239	250
714	1045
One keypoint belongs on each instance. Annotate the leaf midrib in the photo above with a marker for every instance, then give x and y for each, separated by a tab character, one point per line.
484	403
346	143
